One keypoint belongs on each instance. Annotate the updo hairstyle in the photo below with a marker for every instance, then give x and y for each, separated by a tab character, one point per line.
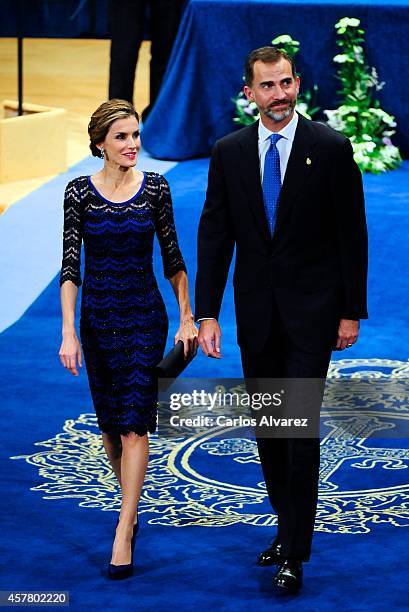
103	118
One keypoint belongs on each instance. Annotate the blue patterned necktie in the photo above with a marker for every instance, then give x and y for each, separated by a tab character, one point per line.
272	181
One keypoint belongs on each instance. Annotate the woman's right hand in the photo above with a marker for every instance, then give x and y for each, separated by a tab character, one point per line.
70	353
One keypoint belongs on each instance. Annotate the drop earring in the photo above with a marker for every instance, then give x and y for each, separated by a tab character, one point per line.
102	153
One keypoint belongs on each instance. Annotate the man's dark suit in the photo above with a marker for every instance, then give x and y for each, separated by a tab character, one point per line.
290	290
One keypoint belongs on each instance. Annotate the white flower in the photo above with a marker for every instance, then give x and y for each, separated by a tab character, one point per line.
385	117
335	120
360	157
341	58
302	108
348	22
347	110
379	165
284	38
391	154
363	147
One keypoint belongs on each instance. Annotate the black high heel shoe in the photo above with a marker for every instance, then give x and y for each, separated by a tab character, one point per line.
119	572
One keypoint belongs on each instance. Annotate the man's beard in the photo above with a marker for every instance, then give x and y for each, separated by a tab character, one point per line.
279	116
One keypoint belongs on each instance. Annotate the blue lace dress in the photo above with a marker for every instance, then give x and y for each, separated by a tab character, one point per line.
123	323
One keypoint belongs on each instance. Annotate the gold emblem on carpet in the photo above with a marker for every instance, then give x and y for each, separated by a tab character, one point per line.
213	480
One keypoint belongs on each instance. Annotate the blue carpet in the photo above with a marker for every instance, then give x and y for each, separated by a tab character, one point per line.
59	499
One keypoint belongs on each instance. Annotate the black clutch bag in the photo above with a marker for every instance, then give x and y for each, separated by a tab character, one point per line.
174	362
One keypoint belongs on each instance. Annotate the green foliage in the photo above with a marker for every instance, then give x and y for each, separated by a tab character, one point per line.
359	116
287	44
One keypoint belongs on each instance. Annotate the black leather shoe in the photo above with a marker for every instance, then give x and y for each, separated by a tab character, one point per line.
271	555
289	576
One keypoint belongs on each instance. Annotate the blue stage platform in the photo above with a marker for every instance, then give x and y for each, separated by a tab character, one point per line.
206	66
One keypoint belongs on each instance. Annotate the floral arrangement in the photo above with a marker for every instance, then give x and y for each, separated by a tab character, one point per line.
247	112
359	116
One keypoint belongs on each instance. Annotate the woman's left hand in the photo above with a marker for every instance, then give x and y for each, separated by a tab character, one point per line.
188	333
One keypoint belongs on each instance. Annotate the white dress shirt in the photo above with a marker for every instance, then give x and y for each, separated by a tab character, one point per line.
284	146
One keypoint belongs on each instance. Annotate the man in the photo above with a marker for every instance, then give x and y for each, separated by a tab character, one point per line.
127	27
288	194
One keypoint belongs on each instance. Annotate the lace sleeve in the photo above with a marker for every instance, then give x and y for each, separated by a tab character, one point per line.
72	236
166	231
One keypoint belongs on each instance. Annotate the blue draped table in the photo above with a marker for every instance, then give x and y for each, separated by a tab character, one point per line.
206	67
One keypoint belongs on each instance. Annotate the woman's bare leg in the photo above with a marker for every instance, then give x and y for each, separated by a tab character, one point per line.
134	461
113	449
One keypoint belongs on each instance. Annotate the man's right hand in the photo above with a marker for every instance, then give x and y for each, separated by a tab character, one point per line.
210	338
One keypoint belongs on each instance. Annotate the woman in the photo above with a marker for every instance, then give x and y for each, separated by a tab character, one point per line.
124	325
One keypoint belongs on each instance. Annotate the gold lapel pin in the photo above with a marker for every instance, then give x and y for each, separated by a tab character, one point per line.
308	161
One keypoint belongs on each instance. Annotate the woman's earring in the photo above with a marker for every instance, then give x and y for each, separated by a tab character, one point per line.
102	153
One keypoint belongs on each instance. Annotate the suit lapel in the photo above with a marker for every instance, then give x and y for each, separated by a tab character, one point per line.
250	175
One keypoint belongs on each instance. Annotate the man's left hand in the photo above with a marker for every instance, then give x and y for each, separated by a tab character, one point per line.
348	332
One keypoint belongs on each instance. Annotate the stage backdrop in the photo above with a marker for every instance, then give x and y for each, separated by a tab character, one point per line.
54	18
206	66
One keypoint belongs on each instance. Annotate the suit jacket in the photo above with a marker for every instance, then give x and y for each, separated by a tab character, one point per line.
315	264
